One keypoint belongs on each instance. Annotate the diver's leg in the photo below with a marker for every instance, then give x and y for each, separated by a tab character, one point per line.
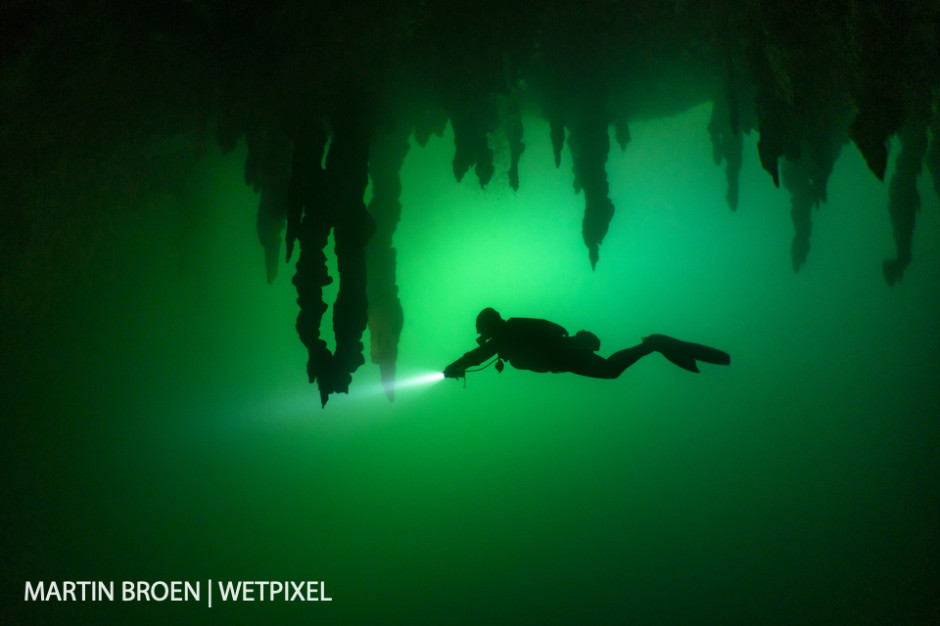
625	358
590	364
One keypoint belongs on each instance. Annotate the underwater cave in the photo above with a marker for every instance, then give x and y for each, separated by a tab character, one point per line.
190	187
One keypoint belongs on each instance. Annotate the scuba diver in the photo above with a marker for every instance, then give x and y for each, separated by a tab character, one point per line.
543	346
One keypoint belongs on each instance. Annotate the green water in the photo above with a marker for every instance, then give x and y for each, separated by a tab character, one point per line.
158	424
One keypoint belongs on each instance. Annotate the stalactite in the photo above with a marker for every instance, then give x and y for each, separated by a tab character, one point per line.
801	69
347	167
826	145
589	144
878	118
932	158
385	312
557	133
733	116
806	178
917	57
727	146
305	181
472	119
904	200
324	201
308	187
774	94
430	120
796	178
268	171
770	146
877	30
510	120
778	134
622	131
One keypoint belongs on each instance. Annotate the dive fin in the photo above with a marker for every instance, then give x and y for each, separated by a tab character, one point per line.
682	360
708	355
685	353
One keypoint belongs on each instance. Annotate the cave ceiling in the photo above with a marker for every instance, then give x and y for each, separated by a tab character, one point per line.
329	97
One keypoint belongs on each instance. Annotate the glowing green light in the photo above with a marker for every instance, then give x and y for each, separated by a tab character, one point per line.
423	379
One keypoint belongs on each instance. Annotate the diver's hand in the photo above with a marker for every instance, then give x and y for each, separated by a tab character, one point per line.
451	371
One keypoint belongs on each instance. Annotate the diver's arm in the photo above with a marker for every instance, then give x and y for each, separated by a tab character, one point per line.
474	357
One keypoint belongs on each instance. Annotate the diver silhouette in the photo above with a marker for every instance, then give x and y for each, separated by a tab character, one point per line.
543	346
